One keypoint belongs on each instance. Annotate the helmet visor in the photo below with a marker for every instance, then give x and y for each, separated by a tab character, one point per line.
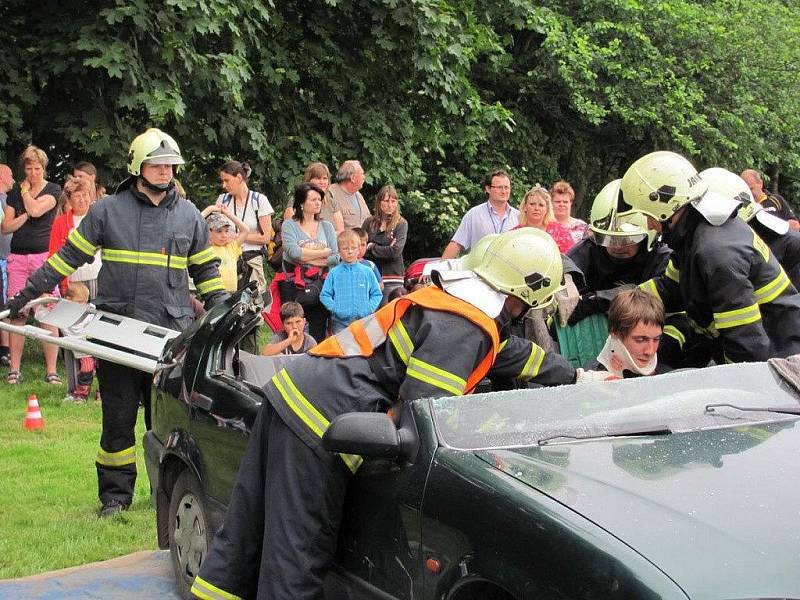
617	240
163	160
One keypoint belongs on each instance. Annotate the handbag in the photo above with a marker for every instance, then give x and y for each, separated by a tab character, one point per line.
309	281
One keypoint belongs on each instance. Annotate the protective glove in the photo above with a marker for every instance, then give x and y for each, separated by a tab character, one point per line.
16	304
584	376
215	298
589	304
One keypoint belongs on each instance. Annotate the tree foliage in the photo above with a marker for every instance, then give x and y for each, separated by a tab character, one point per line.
428	94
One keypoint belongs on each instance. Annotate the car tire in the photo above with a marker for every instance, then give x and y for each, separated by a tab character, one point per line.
189	535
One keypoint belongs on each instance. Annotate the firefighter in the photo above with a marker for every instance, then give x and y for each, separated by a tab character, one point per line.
776	232
151	239
619	251
280	531
622	252
721	272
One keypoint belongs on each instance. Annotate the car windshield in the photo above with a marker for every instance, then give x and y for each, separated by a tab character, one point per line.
681	401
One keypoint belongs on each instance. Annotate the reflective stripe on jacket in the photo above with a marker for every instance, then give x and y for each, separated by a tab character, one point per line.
363	336
148	251
731	285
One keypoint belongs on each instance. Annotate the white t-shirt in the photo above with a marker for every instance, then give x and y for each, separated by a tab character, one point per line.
257	206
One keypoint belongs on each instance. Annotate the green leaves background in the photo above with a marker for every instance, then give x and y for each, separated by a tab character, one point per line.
428	94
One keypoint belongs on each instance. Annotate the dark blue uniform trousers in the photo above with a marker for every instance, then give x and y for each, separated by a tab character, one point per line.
279	536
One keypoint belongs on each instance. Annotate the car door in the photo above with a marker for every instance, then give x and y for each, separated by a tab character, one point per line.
380	554
223	409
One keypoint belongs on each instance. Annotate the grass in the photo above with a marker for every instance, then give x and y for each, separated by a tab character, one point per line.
48	482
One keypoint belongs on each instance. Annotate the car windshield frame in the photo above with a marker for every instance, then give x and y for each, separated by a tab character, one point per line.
674	401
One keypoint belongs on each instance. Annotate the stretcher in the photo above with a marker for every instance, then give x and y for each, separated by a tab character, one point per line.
87	330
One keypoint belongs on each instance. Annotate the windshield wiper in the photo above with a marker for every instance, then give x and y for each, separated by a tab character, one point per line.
786	410
627	431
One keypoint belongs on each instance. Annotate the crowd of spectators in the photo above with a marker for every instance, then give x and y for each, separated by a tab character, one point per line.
336	260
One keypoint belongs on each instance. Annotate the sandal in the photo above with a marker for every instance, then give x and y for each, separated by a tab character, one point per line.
13	377
52	379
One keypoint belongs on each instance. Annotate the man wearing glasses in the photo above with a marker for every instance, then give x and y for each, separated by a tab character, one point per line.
494	216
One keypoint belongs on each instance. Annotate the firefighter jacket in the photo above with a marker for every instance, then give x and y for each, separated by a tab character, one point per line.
148	252
785	247
601	273
730	284
424	345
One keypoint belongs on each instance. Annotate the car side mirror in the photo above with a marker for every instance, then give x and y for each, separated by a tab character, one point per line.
372	435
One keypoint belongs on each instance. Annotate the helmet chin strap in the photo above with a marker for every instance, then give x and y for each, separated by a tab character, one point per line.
158	188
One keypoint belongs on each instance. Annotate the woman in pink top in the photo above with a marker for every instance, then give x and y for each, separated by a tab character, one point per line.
536	210
562	196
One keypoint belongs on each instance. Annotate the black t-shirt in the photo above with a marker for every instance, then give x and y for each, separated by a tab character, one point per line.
34	235
778	206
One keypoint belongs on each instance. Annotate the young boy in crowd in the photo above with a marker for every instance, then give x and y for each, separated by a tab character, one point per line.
363	236
293	339
351	290
635	324
79	367
224	244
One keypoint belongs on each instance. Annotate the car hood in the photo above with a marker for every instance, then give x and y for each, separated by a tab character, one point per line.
716	510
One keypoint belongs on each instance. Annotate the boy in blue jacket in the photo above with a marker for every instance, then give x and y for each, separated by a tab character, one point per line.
351	290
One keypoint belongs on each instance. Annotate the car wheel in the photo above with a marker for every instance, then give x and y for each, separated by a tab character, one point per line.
189	535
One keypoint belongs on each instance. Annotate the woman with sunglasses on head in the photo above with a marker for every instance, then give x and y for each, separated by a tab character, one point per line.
254	210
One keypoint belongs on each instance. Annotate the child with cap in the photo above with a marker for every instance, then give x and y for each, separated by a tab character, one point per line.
225	244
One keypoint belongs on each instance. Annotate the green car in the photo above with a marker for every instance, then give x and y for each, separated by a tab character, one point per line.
676	486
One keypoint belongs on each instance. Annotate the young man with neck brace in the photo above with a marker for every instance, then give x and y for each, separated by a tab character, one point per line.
635	325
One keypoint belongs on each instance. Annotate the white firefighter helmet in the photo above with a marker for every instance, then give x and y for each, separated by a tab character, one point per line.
730	185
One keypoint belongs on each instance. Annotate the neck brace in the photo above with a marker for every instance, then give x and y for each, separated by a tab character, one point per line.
615	348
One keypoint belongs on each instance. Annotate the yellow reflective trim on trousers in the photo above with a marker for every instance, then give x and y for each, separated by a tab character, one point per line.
672	272
144	258
772	290
352	461
502	345
436	377
649	286
212	285
401	341
673	332
206	591
737	317
59	265
201	257
533	364
117	459
308	413
81	243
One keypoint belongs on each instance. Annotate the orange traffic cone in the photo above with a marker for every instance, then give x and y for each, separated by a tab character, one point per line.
33	418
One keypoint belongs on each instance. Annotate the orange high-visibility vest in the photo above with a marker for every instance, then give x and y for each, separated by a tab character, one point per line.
363	336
